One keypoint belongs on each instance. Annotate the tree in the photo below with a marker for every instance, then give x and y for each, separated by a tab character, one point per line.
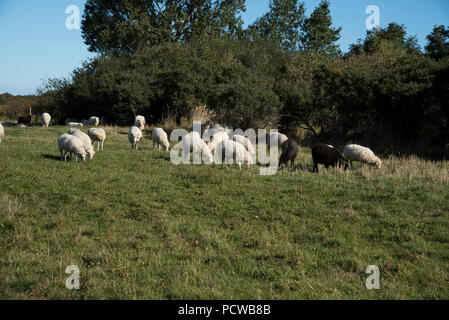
318	35
124	26
281	24
375	40
438	42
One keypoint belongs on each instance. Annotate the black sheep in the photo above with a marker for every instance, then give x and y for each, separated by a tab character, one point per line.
328	156
289	152
24	120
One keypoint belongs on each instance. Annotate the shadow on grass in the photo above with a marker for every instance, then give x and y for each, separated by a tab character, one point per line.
58	158
52	157
162	156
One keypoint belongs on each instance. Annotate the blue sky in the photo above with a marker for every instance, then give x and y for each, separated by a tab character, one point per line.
36	45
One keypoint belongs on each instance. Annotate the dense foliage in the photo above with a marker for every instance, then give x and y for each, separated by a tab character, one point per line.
284	71
123	27
11	107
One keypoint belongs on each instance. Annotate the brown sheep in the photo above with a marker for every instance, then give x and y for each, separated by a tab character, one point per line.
24	120
328	156
289	152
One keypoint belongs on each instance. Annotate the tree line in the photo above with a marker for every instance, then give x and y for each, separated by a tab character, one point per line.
164	58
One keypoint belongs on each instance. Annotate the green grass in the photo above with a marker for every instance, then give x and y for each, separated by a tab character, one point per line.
140	227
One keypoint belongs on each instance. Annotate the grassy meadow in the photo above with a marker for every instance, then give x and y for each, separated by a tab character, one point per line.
139	227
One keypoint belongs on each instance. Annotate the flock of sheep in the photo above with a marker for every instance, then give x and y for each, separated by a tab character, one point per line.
215	139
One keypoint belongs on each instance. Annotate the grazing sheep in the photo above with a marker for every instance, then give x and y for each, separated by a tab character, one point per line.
233	151
276	136
354	152
68	120
159	137
2	132
73	145
229	129
289	153
74	124
193	142
216	138
207	134
140	122
328	156
94	121
87	143
134	137
73	130
245	142
46	119
97	135
24	120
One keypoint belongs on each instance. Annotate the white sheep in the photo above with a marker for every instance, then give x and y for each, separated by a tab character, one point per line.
354	152
46	119
208	133
233	151
70	144
159	137
68	120
216	138
97	135
217	126
134	137
276	136
74	124
2	132
94	121
245	142
140	122
86	141
193	142
73	130
230	132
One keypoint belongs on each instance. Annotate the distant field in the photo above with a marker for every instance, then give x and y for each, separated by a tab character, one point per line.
139	227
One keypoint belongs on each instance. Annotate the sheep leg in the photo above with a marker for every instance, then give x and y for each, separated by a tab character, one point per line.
101	145
352	166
